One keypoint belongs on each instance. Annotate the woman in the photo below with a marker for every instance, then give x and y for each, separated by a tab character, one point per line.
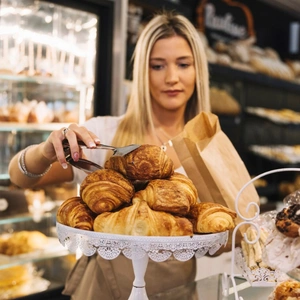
170	86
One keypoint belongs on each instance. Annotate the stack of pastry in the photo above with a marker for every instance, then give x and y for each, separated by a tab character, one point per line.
252	252
140	194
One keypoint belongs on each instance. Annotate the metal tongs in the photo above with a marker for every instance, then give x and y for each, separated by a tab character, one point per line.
89	166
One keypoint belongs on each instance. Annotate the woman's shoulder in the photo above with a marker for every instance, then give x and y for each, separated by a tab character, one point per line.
102	124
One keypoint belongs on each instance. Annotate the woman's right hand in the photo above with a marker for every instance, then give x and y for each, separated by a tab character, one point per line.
46	159
53	147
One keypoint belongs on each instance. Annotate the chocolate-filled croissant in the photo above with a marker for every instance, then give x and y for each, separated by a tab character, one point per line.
288	220
140	220
106	190
174	195
144	163
75	213
209	217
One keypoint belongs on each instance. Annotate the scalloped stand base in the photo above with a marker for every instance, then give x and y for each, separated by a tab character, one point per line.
138	291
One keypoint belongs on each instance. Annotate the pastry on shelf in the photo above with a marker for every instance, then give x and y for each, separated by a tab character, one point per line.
21	242
286	290
272	67
283	243
288	221
252	252
40	113
222	103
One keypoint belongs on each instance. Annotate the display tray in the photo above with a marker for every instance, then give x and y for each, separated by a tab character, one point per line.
139	249
159	248
258	276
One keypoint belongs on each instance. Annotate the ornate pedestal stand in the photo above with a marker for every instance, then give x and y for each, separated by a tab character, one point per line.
139	249
248	221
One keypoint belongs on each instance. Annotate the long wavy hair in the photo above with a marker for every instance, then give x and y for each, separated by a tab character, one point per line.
138	117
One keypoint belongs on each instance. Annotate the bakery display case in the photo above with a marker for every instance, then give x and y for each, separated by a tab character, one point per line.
56	58
32	261
47	71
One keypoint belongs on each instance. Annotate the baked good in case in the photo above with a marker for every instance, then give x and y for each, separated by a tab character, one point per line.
174	195
140	220
288	220
144	163
21	242
287	290
106	190
75	213
209	217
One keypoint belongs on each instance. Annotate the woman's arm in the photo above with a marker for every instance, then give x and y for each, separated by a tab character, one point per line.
41	171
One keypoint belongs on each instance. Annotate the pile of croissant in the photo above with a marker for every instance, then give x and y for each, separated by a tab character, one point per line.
141	194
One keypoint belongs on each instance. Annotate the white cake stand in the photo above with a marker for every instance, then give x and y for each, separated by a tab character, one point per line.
139	249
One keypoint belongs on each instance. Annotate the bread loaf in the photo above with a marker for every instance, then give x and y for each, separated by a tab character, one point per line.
144	163
140	220
75	213
106	190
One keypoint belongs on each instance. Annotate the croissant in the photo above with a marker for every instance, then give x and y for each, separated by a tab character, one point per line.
140	220
144	163
106	190
75	213
288	220
174	195
211	217
285	290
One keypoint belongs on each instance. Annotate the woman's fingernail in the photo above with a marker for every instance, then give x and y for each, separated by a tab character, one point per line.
92	144
64	165
76	156
97	141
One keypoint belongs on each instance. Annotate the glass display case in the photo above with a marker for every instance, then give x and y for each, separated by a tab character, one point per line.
28	267
47	71
51	70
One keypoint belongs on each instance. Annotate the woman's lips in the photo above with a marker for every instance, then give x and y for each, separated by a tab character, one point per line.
172	93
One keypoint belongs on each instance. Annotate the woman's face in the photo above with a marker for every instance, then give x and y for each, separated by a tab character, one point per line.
172	73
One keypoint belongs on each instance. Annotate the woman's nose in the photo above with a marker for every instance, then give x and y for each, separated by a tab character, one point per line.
172	75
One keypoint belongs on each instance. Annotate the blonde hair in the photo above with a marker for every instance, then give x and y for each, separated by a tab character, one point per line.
138	117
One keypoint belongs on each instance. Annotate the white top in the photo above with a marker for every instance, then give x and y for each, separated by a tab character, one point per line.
105	128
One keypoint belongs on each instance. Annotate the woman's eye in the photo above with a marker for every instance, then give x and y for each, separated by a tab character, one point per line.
184	65
156	67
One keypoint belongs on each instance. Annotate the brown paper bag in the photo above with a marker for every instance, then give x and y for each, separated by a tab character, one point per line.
213	164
